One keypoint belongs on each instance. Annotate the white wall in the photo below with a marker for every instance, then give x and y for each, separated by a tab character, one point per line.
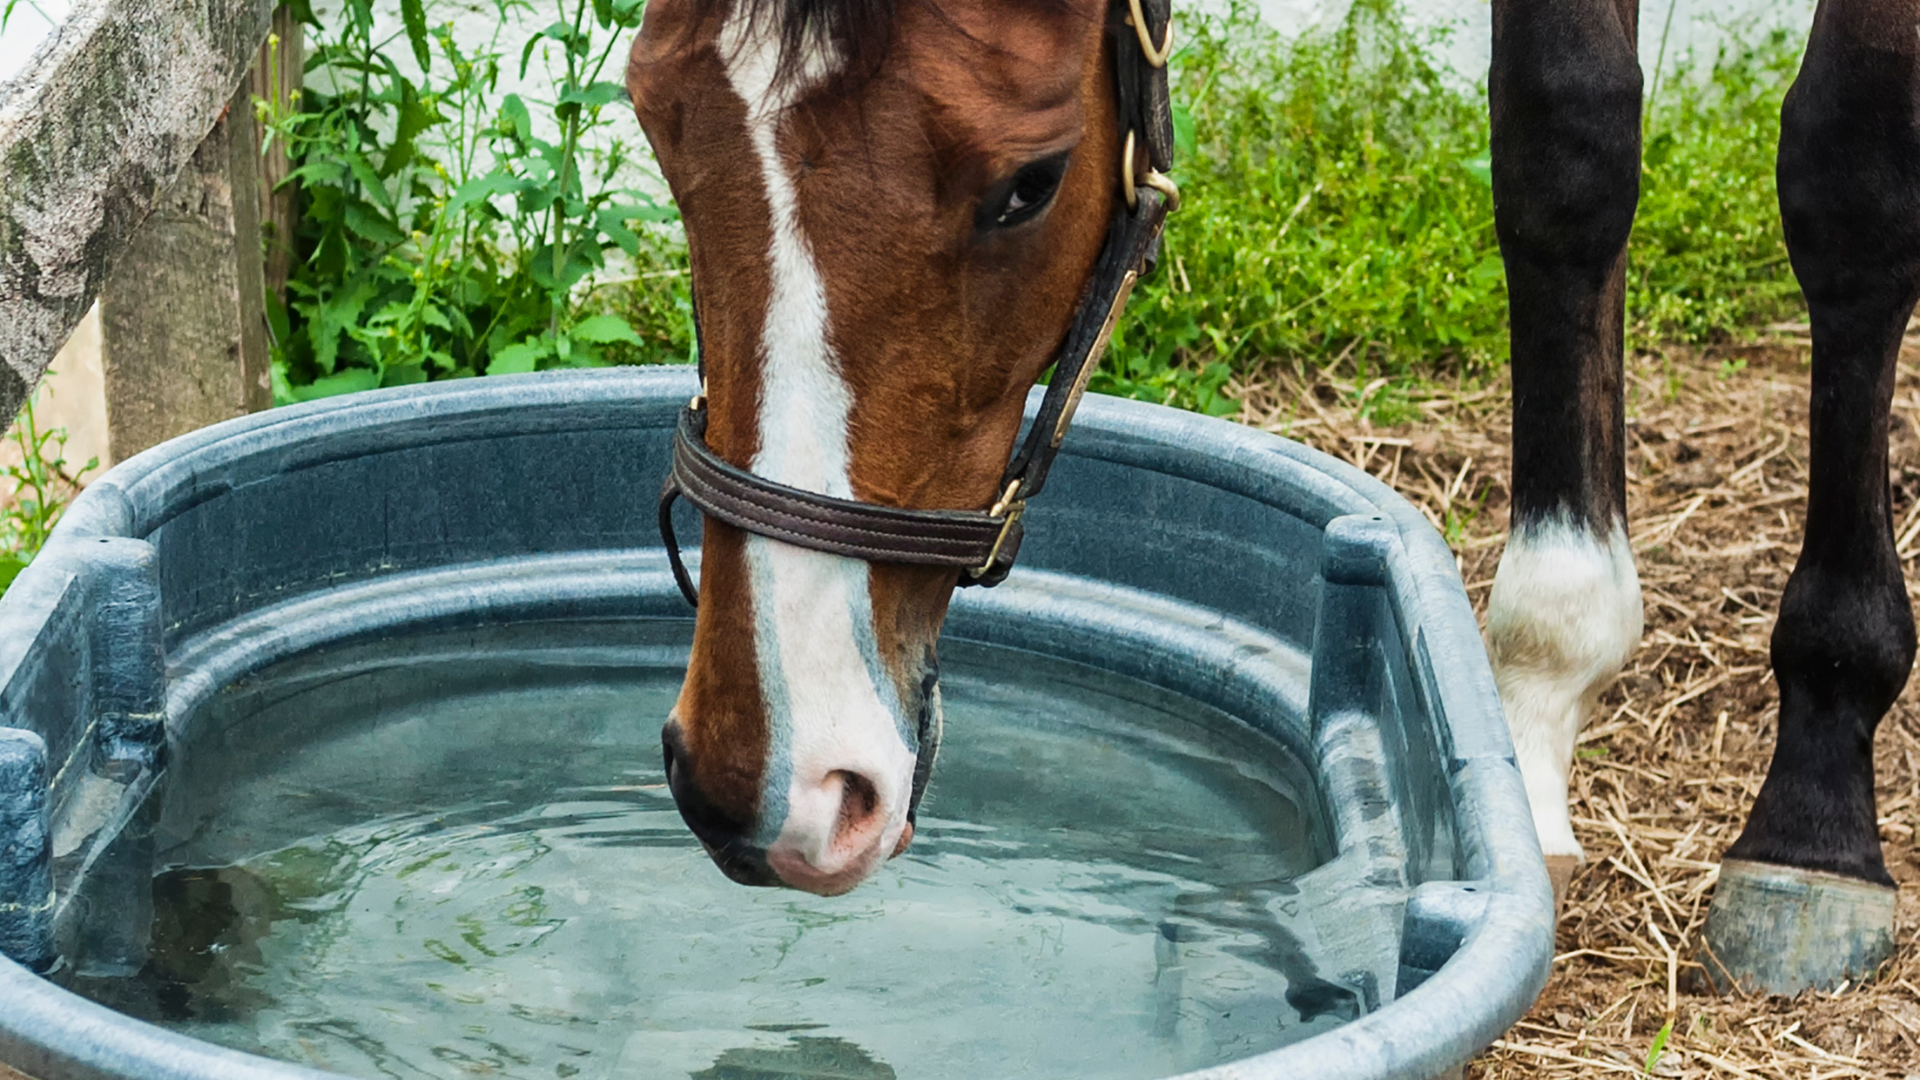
73	396
1698	25
32	22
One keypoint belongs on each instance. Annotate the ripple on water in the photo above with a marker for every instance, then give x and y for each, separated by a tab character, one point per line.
459	857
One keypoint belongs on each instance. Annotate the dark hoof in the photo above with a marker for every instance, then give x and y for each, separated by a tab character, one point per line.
1780	930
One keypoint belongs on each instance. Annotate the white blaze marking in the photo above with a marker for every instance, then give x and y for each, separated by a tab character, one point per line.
1564	618
829	705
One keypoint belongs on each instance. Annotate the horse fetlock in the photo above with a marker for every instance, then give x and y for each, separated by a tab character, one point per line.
1564	617
1841	652
1844	641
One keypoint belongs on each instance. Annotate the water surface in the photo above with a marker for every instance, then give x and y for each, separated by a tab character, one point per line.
457	856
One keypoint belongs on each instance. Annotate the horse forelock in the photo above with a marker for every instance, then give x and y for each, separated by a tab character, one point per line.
860	32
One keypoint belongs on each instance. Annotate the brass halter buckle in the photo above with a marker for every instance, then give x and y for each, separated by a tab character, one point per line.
1154	179
1011	508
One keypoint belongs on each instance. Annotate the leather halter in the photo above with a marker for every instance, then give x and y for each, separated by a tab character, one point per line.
982	544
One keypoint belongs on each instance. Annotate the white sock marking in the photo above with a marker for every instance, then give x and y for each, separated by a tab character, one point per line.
1564	618
813	616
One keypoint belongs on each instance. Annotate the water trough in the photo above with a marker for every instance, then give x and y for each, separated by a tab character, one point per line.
331	734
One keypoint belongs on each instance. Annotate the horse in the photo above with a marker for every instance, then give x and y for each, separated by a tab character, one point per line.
899	213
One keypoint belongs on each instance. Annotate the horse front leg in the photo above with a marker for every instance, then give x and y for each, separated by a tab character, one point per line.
1565	611
1804	898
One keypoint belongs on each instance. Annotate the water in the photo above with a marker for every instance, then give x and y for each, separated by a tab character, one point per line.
457	856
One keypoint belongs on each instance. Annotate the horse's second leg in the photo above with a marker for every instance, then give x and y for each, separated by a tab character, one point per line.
1804	898
1565	611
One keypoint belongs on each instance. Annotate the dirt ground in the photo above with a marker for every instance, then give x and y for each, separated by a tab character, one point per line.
1666	770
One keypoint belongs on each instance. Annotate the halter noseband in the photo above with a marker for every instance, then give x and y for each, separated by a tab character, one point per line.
982	544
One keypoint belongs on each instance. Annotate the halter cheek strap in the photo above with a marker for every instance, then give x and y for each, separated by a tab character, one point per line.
982	544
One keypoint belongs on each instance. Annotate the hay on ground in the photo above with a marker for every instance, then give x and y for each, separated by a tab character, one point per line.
1717	451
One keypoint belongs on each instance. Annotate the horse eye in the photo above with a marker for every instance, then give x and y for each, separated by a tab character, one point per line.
1028	193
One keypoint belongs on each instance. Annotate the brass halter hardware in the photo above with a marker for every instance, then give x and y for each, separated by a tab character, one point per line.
1156	55
1010	510
1154	179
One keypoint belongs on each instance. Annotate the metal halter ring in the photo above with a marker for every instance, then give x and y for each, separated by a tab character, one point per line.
1154	179
1156	55
1012	508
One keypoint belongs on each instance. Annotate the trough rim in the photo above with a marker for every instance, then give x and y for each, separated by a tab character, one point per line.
1492	979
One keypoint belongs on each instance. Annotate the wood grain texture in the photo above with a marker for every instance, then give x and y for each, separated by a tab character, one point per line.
91	134
277	77
183	327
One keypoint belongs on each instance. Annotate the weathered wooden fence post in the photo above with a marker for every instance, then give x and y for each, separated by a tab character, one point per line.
91	138
277	76
183	331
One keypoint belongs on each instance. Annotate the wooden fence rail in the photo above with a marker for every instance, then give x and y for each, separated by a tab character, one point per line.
93	136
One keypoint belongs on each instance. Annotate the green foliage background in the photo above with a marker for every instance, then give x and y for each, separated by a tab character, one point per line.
443	232
41	484
1338	210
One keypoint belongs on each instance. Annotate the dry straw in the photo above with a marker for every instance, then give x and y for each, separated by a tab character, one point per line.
1717	451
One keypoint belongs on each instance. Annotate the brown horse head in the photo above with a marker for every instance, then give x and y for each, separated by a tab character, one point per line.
891	213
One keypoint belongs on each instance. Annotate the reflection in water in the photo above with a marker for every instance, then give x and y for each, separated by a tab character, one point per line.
468	864
205	924
807	1058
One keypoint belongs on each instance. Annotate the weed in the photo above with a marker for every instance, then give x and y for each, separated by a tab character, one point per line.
1338	211
1461	518
1336	202
443	232
1659	1046
41	490
1708	260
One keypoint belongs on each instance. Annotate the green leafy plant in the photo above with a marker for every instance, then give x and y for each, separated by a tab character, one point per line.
1338	212
1709	261
1336	204
449	229
41	488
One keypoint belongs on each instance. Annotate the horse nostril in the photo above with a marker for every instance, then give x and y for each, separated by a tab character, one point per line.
838	827
860	819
